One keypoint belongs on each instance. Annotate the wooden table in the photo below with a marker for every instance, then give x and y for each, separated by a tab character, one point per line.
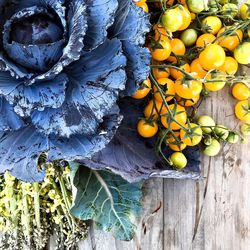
213	214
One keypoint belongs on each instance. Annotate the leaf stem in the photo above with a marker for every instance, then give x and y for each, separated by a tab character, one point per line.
26	214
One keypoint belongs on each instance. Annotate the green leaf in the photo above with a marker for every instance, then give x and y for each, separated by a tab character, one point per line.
107	199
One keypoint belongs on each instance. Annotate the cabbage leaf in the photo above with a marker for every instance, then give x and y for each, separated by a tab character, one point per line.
107	199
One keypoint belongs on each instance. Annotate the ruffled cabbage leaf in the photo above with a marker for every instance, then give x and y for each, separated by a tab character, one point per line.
98	24
82	126
130	26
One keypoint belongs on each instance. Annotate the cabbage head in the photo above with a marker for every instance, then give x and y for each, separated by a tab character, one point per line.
63	67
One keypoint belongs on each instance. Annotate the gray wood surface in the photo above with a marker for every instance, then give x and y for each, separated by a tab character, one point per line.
213	214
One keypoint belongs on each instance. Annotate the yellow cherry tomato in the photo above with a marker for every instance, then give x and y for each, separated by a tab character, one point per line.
245	10
143	5
143	90
161	54
169	2
204	40
230	66
212	57
196	67
174	142
179	114
186	17
139	1
166	2
242	53
231	40
178	49
193	16
160	32
153	109
169	89
182	2
188	89
160	72
240	91
192	136
242	110
147	129
176	74
219	81
187	102
211	24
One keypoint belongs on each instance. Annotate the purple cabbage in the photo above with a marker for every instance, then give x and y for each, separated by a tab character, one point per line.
63	67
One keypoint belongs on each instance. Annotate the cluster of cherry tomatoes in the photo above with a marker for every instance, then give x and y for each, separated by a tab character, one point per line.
196	49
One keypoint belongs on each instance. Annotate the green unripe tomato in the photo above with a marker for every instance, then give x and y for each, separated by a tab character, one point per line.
245	129
230	9
178	160
207	123
232	138
221	131
223	2
208	140
213	6
213	149
243	141
189	37
196	6
213	10
235	2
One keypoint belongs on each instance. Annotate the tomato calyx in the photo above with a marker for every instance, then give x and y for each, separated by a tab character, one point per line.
154	45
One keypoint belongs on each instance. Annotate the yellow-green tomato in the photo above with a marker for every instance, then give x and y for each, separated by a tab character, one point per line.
233	138
242	53
212	149
197	6
189	37
172	19
245	129
178	160
230	9
221	131
208	140
207	123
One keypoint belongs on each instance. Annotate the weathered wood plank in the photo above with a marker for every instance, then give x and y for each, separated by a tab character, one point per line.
179	213
214	213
